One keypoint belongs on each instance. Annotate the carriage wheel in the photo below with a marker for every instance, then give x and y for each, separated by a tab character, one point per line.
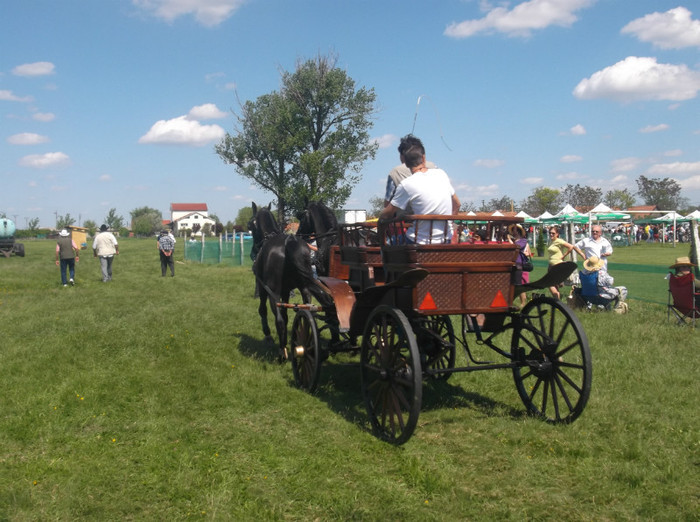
437	343
391	374
306	352
555	371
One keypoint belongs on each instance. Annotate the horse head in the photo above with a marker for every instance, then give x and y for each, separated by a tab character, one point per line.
262	225
317	221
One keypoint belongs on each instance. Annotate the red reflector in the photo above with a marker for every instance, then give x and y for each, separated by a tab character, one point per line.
499	301
428	303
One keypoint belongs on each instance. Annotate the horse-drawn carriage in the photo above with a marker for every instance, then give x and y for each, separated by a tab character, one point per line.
397	303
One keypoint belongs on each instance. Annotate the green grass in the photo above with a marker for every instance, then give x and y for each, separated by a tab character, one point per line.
154	398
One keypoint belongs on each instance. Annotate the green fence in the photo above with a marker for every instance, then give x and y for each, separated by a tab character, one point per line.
644	282
231	253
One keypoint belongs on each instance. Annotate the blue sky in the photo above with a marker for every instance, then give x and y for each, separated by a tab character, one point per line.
119	103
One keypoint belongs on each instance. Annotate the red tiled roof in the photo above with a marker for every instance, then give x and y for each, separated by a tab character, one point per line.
188	207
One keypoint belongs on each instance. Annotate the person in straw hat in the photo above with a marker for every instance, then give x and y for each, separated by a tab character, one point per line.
606	282
684	266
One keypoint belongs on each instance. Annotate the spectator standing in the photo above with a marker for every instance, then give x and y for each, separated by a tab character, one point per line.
558	249
105	247
596	245
166	248
66	256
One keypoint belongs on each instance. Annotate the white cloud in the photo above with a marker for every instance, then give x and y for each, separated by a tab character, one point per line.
577	130
182	131
570	158
674	152
636	78
208	111
532	181
654	128
489	163
569	175
386	141
207	12
673	29
41	161
522	19
43	116
6	95
479	191
624	164
34	69
220	188
27	138
692	183
105	178
676	168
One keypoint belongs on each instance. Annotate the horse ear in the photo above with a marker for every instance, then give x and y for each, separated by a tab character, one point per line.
255	208
269	206
306	202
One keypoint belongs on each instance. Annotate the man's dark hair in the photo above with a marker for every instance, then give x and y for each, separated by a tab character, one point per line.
414	156
408	141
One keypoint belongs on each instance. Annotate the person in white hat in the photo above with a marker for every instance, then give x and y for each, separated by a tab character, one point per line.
66	256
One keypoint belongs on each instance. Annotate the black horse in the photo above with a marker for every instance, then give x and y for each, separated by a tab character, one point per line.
282	263
318	222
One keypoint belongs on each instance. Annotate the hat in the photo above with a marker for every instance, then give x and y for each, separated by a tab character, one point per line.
516	227
64	233
164	232
682	261
103	228
593	264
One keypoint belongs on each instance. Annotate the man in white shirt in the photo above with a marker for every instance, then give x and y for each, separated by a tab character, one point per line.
426	191
596	245
105	247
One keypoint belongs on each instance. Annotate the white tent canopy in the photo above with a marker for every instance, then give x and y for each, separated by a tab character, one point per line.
568	210
545	215
601	208
695	214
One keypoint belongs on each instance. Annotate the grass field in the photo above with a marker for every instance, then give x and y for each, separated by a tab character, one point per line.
153	398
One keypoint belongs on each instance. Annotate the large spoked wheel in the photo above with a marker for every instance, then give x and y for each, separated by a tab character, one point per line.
306	353
554	371
436	341
391	374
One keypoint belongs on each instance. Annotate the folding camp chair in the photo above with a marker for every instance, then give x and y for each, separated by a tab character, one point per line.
588	295
680	290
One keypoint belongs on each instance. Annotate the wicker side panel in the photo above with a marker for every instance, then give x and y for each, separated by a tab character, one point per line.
465	256
445	290
482	289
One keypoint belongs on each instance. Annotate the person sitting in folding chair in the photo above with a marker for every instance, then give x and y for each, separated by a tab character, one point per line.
598	286
683	291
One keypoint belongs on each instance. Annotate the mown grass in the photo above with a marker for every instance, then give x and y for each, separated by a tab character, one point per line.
155	398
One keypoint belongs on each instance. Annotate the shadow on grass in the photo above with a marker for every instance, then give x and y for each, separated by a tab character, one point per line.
340	387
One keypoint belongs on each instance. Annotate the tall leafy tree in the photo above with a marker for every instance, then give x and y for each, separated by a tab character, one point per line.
244	216
306	141
64	221
581	196
146	221
621	199
542	199
113	220
664	193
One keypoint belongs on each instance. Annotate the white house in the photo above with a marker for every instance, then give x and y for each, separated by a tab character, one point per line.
186	215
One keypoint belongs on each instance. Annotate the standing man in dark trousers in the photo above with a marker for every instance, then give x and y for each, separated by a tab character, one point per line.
166	247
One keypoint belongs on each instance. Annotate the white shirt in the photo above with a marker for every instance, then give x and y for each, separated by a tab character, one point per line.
428	192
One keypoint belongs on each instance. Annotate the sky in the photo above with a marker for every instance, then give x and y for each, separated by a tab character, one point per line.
119	103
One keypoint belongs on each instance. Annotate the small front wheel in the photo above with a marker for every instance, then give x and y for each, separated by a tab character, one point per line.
306	356
554	371
437	343
391	374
